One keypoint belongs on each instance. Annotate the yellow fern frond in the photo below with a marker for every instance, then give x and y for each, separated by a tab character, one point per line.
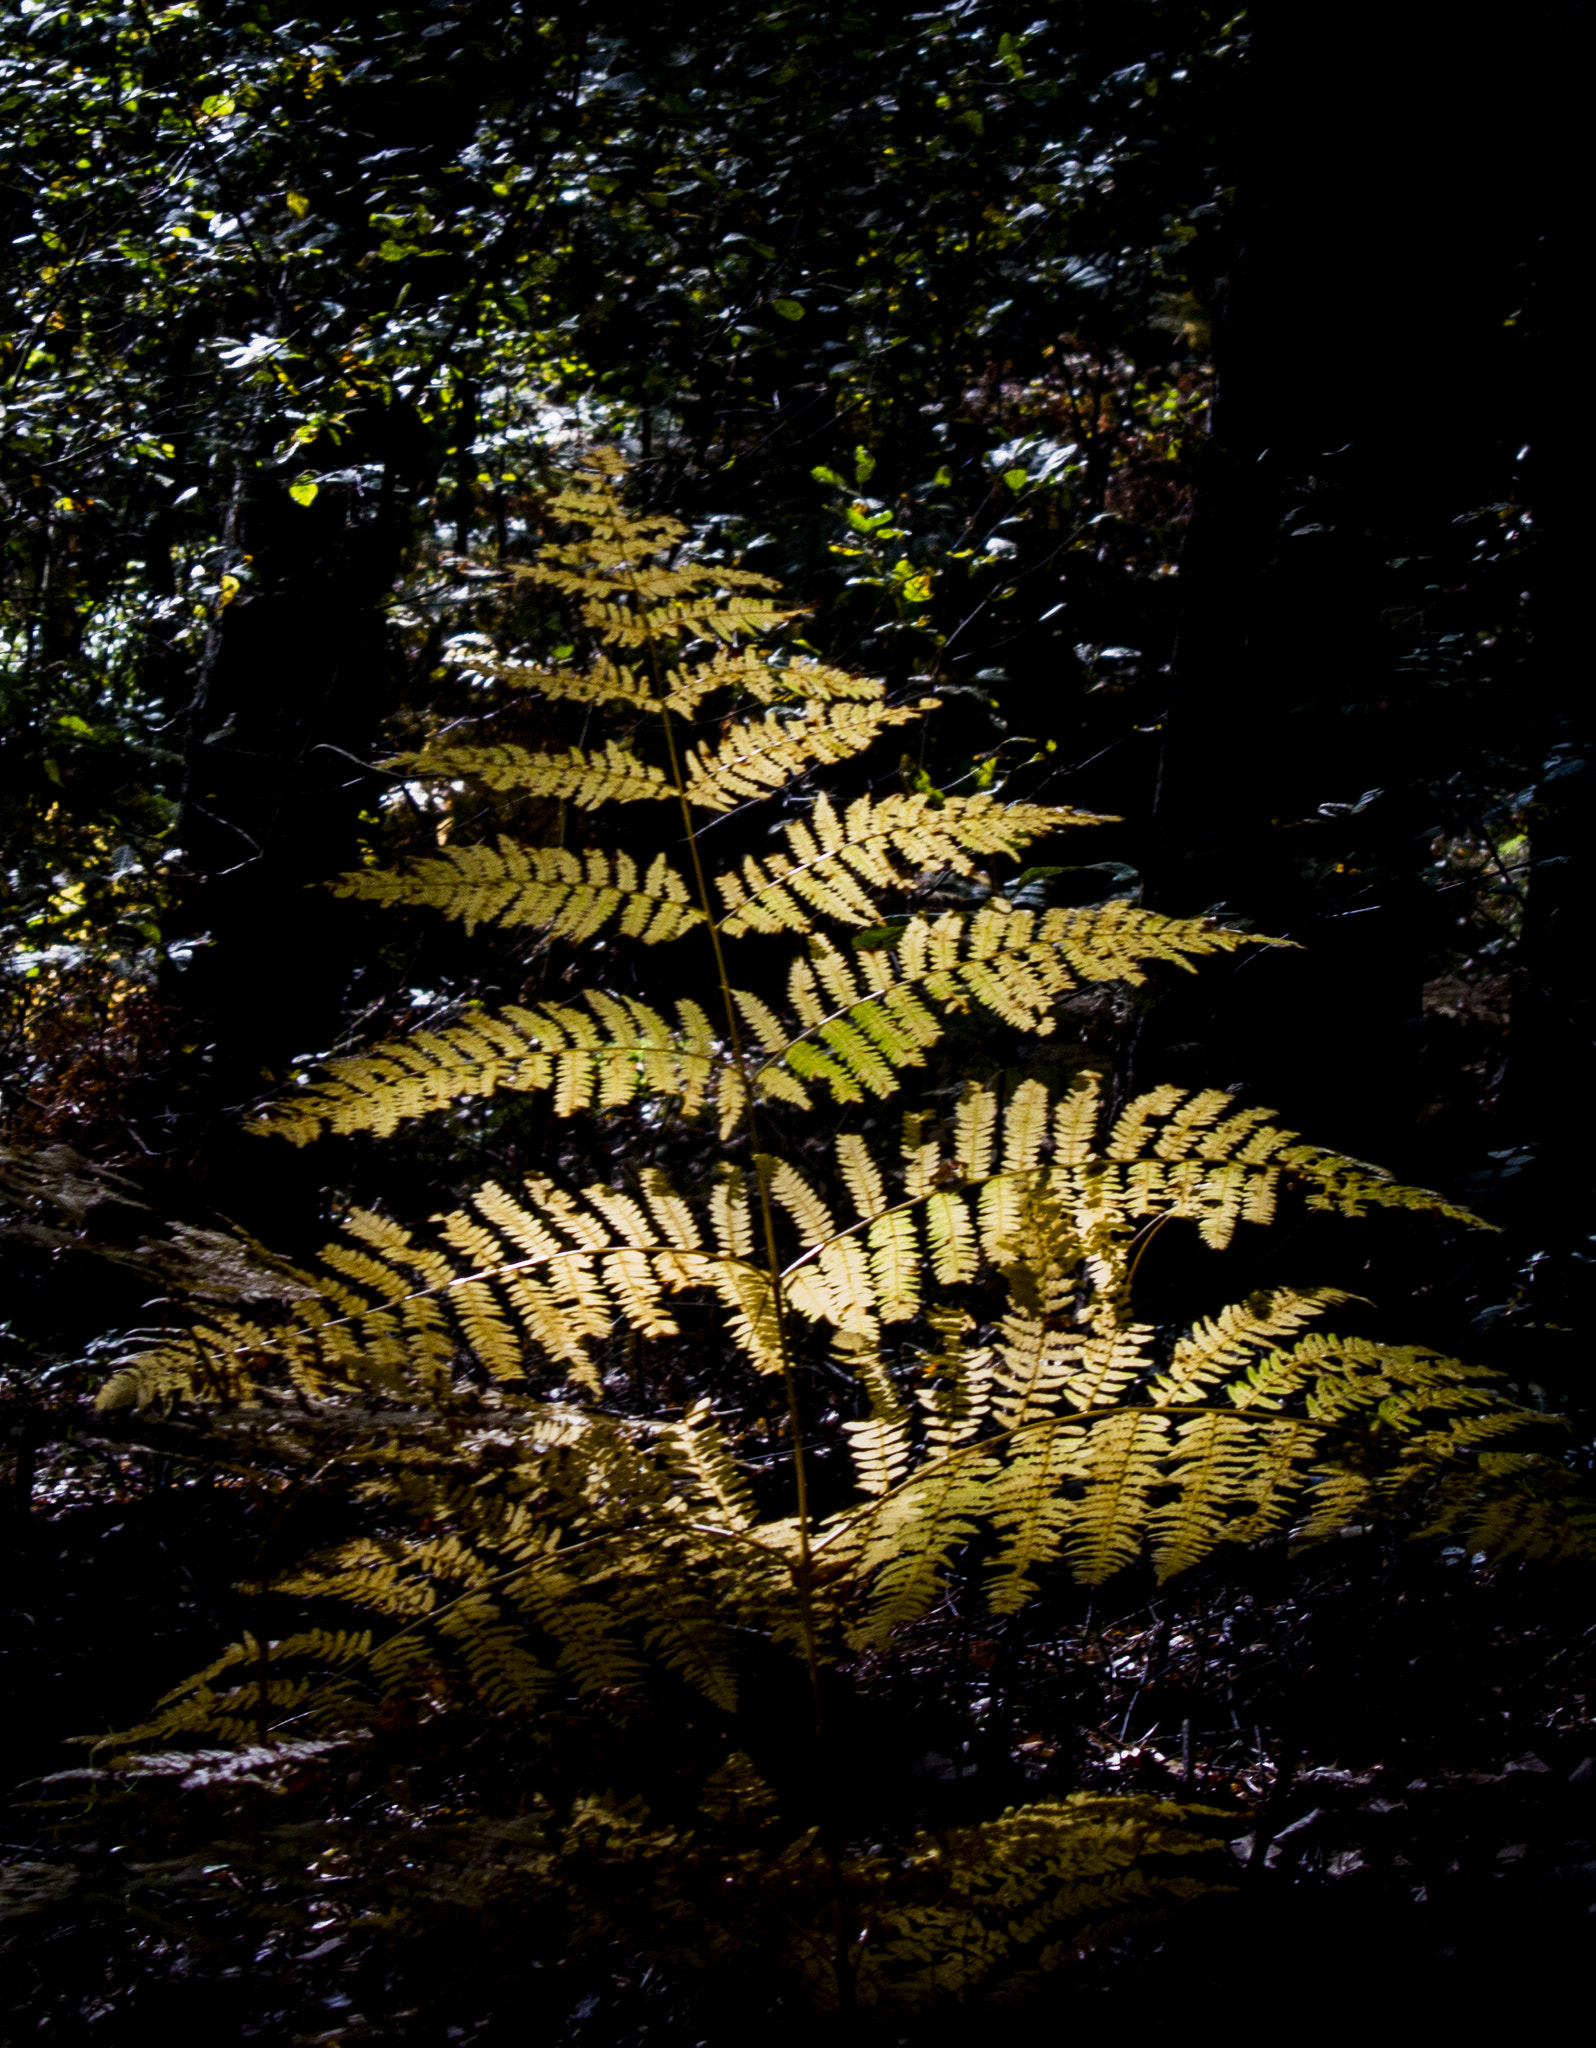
752	672
711	1472
1110	1521
904	1546
573	895
1228	1343
759	756
1212	1466
873	1020
885	844
601	682
584	777
601	1057
1033	1509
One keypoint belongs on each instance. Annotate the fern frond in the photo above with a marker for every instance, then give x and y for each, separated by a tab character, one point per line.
887	844
574	896
601	682
866	1018
580	776
721	614
1213	1466
758	756
1033	1509
1350	1187
1229	1342
1110	1522
879	1446
710	1471
515	1280
601	1057
750	671
905	1544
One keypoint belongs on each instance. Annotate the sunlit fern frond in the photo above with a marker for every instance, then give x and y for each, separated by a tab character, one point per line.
1224	1345
879	1447
885	844
573	896
586	777
1202	1155
600	682
1032	1507
803	679
1125	1467
761	755
903	1545
720	614
865	1015
708	1468
524	1285
600	1057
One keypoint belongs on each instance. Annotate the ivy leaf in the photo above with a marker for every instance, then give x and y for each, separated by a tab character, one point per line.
303	489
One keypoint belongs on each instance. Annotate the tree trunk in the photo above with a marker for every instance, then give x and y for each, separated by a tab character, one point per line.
1363	408
298	681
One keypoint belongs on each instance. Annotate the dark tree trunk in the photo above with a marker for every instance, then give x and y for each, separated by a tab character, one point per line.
298	681
1363	408
1552	1049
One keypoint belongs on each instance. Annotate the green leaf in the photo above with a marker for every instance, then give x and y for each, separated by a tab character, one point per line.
303	489
879	937
822	475
864	465
1016	479
789	309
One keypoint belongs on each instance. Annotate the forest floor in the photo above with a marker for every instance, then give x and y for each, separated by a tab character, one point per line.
1396	1744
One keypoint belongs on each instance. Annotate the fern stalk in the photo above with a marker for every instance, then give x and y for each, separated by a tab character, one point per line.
767	1217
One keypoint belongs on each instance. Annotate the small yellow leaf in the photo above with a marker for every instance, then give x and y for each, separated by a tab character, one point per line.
230	587
303	489
298	205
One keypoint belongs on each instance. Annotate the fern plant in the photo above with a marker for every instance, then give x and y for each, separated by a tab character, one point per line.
953	1300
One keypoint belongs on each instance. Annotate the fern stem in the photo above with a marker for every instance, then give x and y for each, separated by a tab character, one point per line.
767	1216
1148	1235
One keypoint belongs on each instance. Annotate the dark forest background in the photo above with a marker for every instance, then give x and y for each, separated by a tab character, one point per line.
1188	398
